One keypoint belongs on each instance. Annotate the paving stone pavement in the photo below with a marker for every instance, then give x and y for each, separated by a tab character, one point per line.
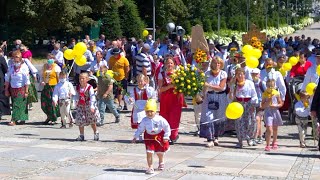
35	151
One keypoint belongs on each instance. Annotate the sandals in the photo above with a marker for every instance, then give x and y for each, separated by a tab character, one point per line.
267	148
161	167
150	171
216	142
210	144
11	123
275	146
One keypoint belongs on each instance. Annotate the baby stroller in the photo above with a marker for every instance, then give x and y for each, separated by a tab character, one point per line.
294	89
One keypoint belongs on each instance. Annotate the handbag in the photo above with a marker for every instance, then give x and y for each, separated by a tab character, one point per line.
213	104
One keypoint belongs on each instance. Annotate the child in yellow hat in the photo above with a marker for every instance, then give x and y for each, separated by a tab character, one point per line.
156	135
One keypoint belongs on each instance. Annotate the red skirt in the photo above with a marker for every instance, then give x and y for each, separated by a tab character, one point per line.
154	143
170	108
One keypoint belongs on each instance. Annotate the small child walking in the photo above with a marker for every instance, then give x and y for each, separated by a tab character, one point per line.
157	133
87	112
271	102
302	109
139	96
105	96
62	95
255	74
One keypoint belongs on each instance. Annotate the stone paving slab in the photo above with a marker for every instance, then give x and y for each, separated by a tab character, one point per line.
35	151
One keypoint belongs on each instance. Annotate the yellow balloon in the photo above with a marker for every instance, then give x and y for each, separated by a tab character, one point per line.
318	70
68	54
145	33
283	72
252	62
293	60
80	60
247	48
310	88
286	66
256	53
79	49
234	111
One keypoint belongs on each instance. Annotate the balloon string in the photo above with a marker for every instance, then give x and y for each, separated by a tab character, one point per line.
205	122
70	69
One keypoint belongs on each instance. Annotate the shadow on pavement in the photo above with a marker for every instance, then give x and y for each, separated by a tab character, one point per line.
125	170
295	155
58	139
119	141
27	134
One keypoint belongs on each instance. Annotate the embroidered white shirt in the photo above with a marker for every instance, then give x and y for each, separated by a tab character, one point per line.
63	91
154	126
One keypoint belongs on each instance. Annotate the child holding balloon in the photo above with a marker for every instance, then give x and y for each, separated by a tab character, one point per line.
271	102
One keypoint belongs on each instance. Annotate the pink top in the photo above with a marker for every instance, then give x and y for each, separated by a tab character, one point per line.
27	54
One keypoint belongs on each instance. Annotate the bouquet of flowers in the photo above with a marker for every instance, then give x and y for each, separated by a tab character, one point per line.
188	80
233	52
256	43
200	56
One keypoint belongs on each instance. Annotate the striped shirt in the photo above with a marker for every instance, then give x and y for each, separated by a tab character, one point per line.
143	60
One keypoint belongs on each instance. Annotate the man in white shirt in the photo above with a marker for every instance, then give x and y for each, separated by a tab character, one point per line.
270	73
311	75
143	62
58	55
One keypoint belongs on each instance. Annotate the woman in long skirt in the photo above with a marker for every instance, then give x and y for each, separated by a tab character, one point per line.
16	86
4	100
171	104
245	93
50	79
215	102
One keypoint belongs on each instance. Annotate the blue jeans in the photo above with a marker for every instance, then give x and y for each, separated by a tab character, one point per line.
102	104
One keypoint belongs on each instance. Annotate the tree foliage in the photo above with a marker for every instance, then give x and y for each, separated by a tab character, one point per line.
132	25
30	19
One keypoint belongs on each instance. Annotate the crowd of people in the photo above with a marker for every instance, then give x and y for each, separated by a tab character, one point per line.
148	64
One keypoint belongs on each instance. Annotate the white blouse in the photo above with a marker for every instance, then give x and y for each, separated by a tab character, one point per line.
91	94
247	91
151	93
215	80
154	126
19	78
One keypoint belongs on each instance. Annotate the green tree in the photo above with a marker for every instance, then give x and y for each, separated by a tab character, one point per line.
111	22
131	23
170	11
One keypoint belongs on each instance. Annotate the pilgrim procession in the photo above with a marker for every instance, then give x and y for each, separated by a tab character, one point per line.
166	96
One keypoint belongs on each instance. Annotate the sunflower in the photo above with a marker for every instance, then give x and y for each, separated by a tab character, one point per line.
233	49
258	43
254	38
260	48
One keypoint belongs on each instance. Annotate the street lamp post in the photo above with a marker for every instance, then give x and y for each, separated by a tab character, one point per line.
248	6
219	19
267	16
154	19
278	24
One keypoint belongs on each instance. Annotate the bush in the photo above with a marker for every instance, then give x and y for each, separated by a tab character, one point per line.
207	25
131	23
111	22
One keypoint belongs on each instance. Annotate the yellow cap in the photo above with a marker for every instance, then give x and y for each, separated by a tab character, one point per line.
151	105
